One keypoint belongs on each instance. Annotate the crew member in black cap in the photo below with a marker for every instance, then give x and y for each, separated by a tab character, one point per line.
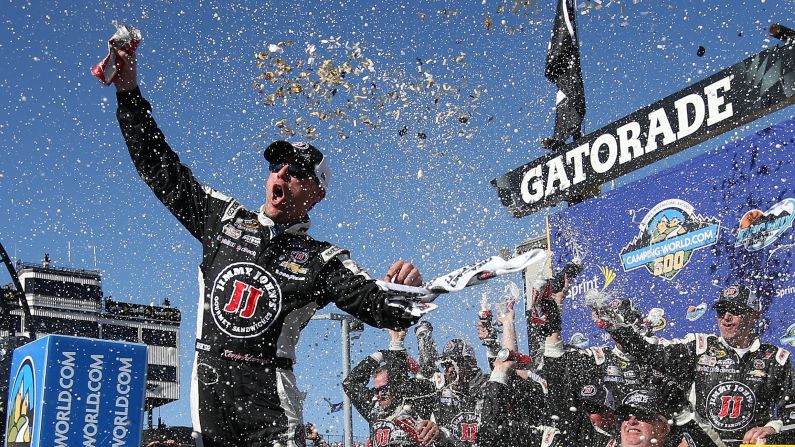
644	422
460	397
262	278
398	407
739	383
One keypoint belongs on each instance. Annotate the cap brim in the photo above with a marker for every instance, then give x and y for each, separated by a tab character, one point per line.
305	155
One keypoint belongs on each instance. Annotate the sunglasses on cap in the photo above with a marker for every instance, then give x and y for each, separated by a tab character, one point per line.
294	169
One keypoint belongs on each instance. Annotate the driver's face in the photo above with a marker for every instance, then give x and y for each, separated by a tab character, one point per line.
736	325
288	198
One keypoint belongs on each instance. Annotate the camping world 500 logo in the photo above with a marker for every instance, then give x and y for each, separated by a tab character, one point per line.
669	234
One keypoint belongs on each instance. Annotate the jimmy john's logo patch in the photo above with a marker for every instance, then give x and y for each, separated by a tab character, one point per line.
730	406
245	300
465	427
588	390
299	257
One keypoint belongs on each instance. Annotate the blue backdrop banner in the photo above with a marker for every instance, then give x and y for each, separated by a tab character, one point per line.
673	240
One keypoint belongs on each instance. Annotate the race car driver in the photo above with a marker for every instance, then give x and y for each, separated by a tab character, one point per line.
261	275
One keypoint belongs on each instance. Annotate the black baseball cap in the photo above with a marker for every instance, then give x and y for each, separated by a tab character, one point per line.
457	350
738	297
643	404
302	154
596	398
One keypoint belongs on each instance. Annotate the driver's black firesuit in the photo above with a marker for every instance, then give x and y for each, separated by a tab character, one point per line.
260	284
732	394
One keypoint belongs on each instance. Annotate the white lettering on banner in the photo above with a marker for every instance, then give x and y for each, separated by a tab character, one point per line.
92	401
538	185
686	128
685	242
659	125
785	291
122	411
580	288
612	152
556	173
64	407
628	139
714	101
576	155
626	143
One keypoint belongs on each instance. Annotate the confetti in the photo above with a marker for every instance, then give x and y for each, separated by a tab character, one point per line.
339	87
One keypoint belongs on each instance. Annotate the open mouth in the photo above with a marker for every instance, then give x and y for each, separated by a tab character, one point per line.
277	194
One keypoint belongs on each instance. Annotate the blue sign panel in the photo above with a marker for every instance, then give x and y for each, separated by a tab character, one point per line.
69	391
670	242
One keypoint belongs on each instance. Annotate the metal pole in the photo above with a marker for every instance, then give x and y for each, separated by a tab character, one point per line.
346	370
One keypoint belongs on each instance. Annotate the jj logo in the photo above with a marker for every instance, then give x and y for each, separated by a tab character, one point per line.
382	437
468	432
730	403
252	295
244	300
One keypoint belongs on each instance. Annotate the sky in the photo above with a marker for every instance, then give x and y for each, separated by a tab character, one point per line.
444	96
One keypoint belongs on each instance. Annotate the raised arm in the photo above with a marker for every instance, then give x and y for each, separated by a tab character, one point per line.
355	385
157	164
676	359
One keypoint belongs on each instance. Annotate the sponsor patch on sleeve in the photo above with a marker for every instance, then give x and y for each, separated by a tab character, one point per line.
598	355
329	253
354	268
701	343
231	209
